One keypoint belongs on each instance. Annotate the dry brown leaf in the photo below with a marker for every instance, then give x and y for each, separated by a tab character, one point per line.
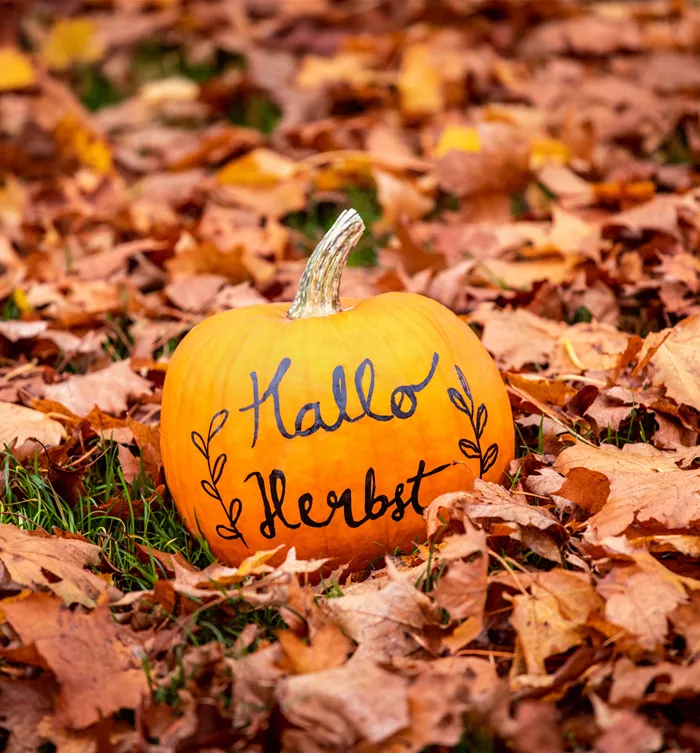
255	678
504	514
444	690
608	459
630	732
536	729
23	703
380	618
522	275
17	424
58	564
195	293
420	82
517	338
339	708
109	389
686	621
400	200
499	164
673	356
658	215
552	618
640	603
634	685
328	648
96	674
646	488
462	588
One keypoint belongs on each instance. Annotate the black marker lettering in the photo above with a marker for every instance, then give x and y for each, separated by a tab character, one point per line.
403	402
278	486
272	390
409	391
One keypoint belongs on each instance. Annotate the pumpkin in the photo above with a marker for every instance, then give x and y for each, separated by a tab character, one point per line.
330	424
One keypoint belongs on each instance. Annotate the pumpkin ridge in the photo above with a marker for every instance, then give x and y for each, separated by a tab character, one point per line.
182	364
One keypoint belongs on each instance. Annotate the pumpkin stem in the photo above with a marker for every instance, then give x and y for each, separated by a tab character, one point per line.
319	287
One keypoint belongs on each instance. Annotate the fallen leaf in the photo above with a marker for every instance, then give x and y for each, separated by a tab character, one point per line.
516	338
76	140
16	70
60	565
552	618
500	164
70	41
95	673
536	729
400	199
630	732
641	604
261	167
505	514
23	703
646	488
17	424
458	138
462	588
419	82
108	389
673	357
195	293
339	708
685	621
660	683
380	619
328	648
443	691
658	215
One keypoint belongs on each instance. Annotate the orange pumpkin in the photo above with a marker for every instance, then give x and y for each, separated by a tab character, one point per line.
329	425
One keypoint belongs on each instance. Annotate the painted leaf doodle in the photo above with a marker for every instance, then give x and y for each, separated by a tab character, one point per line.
465	404
234	508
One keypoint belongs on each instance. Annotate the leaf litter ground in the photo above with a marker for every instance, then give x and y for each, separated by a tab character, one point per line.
531	165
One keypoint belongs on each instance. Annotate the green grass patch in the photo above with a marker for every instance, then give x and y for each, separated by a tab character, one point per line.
96	90
255	111
320	215
127	523
137	515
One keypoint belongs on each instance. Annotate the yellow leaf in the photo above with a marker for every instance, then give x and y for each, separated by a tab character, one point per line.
77	141
543	151
350	68
16	71
21	301
346	169
419	83
459	139
72	40
257	563
261	167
